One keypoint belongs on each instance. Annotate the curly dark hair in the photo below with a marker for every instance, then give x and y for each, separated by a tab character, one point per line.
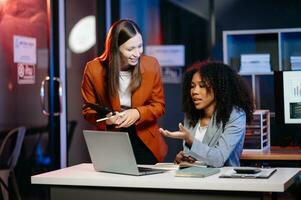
230	91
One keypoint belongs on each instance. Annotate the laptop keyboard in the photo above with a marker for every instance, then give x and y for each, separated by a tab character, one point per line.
149	170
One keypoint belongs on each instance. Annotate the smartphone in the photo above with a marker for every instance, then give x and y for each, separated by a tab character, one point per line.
247	170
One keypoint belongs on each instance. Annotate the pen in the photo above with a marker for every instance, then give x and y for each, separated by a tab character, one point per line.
105	118
102	119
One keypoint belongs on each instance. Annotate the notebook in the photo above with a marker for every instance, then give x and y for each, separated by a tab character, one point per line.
112	152
196	171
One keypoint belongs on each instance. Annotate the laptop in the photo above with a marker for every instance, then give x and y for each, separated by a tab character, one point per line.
112	152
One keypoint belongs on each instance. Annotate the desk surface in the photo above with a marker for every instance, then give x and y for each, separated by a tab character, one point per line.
275	153
85	175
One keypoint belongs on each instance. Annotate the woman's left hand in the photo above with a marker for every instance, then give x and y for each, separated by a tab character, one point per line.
182	157
127	118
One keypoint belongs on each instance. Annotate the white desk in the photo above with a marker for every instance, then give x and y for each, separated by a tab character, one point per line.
82	181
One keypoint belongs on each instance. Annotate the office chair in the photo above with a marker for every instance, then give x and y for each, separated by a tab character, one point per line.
9	153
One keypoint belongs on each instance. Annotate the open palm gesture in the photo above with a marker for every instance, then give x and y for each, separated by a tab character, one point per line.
182	133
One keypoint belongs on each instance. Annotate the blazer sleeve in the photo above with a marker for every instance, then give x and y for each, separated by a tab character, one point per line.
218	154
154	106
89	96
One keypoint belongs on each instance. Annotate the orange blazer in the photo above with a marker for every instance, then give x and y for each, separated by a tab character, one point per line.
148	99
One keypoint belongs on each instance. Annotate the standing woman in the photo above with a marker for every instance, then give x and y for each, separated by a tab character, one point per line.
217	105
130	84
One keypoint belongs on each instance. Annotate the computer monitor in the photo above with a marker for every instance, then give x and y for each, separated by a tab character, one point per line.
288	96
292	97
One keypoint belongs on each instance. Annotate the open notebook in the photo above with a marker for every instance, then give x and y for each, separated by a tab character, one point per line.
112	152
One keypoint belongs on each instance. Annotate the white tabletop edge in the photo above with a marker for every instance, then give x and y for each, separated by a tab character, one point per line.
85	175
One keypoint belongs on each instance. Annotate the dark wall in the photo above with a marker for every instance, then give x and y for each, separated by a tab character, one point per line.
258	14
180	27
254	14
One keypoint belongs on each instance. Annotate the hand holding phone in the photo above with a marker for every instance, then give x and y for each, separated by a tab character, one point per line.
101	110
183	156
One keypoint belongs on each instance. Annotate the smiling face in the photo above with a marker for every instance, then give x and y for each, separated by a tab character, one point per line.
202	95
131	50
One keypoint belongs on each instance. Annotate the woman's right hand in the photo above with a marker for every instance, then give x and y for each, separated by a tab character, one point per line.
183	134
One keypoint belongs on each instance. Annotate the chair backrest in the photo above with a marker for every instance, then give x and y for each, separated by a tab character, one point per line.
12	144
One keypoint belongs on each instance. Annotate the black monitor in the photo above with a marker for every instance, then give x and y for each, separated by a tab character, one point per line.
288	97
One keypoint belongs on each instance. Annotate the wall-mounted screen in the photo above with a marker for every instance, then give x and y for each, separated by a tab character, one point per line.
292	97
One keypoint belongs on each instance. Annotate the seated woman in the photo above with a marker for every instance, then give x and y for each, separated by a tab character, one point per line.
217	104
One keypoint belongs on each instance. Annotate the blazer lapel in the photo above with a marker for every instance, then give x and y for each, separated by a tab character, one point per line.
211	134
114	101
138	95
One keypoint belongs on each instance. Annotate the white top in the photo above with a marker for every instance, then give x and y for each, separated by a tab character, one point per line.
85	175
124	93
200	132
